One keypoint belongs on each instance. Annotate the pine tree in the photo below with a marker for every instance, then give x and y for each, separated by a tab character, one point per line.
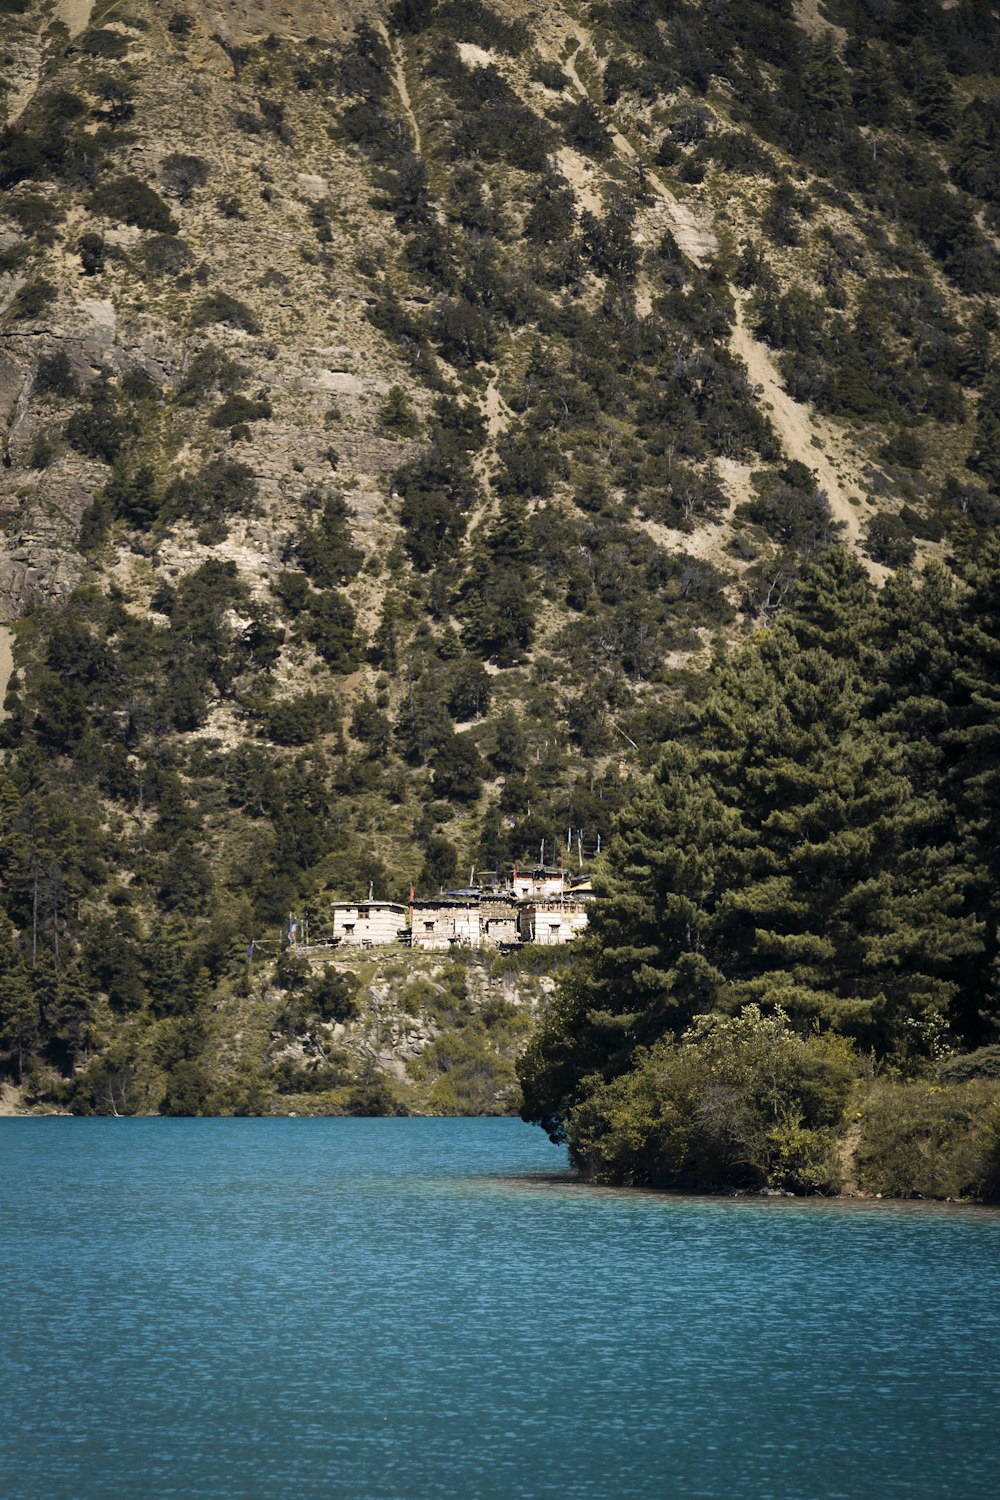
974	742
781	856
644	966
20	1019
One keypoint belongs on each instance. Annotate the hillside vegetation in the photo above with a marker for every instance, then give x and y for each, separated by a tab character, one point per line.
400	407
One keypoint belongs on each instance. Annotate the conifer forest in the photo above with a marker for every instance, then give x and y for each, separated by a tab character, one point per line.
441	439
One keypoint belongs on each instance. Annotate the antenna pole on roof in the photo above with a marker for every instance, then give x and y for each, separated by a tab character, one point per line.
371	889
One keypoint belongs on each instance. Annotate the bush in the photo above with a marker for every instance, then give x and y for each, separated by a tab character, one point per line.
183	173
983	1063
166	255
35	215
55	375
298	721
903	448
887	540
103	43
221	307
92	252
98	430
33	298
334	995
238	409
221	488
129	200
740	1102
920	1140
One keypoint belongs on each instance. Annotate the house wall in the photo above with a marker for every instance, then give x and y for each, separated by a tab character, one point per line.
498	922
439	926
551	922
532	886
368	924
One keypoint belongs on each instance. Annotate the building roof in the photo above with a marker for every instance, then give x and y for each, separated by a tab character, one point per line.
399	906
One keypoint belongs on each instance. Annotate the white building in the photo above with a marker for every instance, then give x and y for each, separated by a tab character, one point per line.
368	924
538	881
557	920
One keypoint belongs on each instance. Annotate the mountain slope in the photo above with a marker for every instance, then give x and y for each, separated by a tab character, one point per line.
398	407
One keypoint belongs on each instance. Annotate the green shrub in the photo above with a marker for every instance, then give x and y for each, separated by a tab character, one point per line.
239	409
42	451
397	412
983	1063
129	200
221	488
33	298
35	216
210	370
299	720
99	430
325	550
100	42
12	258
551	75
221	307
92	251
334	995
166	255
903	448
923	1140
55	375
182	173
471	1077
887	540
740	1102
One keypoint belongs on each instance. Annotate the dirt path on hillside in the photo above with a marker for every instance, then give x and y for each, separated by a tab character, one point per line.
75	16
694	236
399	80
800	430
806	14
498	418
495	409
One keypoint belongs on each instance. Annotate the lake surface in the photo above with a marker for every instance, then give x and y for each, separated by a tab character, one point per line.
427	1310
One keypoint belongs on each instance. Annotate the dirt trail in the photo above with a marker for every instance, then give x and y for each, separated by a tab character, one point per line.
689	228
399	80
799	430
847	1151
807	14
75	16
495	409
498	418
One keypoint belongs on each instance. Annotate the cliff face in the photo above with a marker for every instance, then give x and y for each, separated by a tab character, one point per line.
399	401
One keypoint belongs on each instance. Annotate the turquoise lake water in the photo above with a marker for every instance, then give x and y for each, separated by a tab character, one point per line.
428	1310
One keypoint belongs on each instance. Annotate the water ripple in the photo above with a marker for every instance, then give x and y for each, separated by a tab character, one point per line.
423	1310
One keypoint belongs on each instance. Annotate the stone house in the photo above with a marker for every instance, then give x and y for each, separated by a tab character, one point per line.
497	921
368	924
448	922
538	881
557	920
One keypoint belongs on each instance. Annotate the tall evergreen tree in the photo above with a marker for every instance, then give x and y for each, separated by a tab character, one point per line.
781	856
